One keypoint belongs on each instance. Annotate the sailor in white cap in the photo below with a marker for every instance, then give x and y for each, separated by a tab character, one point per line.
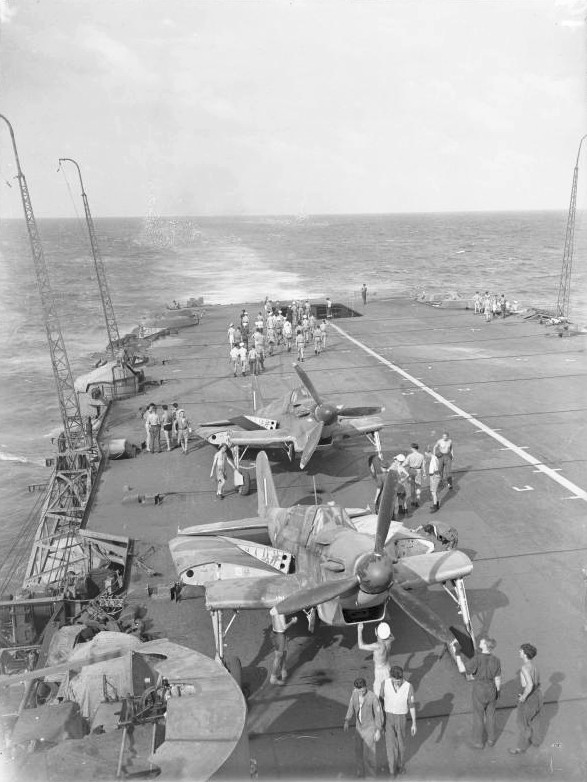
402	488
243	355
381	652
231	332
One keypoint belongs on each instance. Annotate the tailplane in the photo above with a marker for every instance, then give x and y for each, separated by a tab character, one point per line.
266	493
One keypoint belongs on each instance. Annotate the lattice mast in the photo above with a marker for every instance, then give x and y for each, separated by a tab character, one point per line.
564	288
109	316
67	397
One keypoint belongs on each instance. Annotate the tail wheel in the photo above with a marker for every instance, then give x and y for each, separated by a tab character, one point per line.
245	487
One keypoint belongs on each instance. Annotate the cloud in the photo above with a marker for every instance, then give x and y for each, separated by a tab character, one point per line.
114	55
7	12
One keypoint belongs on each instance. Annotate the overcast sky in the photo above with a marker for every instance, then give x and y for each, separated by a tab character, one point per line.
304	107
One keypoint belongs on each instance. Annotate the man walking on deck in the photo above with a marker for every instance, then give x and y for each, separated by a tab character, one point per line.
414	464
364	706
167	424
444	452
231	333
364	294
235	359
243	355
279	628
434	477
221	459
398	699
153	427
300	342
323	328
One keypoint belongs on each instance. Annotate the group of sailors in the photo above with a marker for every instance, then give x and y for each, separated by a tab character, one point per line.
172	422
434	467
295	326
491	305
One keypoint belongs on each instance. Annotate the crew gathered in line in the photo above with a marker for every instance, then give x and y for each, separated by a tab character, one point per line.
172	422
492	305
276	328
382	712
432	468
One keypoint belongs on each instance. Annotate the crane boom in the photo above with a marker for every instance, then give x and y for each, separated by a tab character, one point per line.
67	396
109	316
564	290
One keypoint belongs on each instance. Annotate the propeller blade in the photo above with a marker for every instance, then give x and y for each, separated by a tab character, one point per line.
314	595
386	510
421	614
357	412
308	384
314	436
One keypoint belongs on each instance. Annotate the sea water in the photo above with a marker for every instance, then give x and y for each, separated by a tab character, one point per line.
152	261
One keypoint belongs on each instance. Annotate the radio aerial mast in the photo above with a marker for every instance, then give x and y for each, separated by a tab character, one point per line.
564	289
109	316
68	401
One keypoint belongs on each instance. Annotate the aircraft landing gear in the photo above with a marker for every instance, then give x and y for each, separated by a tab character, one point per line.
231	662
311	615
242	476
459	595
375	440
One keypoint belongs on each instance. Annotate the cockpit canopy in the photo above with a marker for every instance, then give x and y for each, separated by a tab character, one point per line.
301	401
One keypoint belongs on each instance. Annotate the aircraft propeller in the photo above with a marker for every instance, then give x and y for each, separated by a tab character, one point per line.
374	573
325	414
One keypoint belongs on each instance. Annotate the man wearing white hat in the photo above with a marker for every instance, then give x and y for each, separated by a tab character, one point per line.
381	652
231	333
402	488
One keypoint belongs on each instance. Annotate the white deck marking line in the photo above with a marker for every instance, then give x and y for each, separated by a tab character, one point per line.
576	490
524	488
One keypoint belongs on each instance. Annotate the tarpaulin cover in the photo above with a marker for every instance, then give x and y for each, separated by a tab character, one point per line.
50	723
110	680
62	644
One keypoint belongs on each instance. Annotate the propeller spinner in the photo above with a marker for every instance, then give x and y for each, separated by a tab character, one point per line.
325	414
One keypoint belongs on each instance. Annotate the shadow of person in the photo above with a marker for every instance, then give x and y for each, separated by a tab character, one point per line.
415	675
506	704
255	673
434	714
551	697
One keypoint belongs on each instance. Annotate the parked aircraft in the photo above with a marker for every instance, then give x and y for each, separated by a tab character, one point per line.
301	422
319	561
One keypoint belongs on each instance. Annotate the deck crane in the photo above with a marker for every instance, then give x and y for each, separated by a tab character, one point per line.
73	429
564	290
109	316
70	487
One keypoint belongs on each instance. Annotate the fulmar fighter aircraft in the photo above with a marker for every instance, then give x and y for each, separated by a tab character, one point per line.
301	422
319	560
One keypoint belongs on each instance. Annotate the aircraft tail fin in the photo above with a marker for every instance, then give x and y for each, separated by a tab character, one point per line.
266	493
258	401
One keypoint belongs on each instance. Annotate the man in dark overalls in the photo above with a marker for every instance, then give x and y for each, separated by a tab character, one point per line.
484	670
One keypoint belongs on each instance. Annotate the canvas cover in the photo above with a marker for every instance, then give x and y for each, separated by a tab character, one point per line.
110	680
50	724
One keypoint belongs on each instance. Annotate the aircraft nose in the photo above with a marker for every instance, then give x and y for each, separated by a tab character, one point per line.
376	575
326	413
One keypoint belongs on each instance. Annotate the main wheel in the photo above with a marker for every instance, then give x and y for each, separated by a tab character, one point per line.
245	487
375	466
235	669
